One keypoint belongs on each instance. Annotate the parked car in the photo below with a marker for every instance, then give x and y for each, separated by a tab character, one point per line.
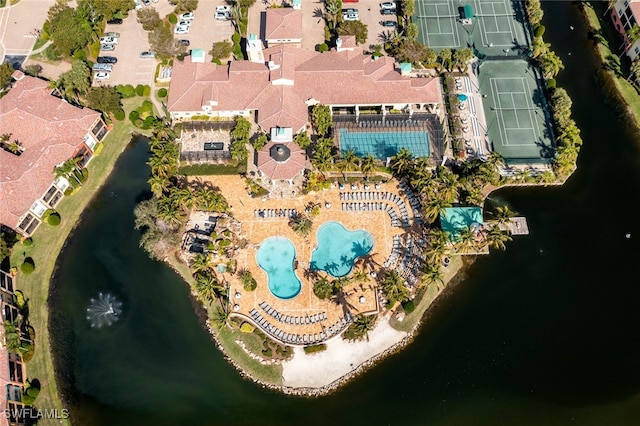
102	67
137	4
184	23
388	5
350	10
102	75
109	40
223	16
389	23
107	59
146	2
187	16
183	42
147	54
223	9
114	21
111	34
181	29
350	17
107	47
387	11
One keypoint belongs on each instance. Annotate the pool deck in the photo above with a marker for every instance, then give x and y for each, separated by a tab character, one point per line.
255	230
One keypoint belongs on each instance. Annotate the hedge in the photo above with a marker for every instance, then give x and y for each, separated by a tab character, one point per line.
172	18
208	169
147	90
551	84
28	242
54	219
267	353
119	115
134	115
28	266
235	38
162	93
322	47
140	90
315	348
127	91
539	31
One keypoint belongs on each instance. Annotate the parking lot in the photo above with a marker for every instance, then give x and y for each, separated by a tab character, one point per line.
132	69
369	11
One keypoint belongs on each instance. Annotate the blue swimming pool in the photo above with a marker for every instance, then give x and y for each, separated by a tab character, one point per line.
385	144
338	248
276	256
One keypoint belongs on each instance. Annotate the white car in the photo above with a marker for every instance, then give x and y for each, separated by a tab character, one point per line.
388	5
223	9
137	4
350	17
102	75
187	16
109	40
107	47
223	16
181	30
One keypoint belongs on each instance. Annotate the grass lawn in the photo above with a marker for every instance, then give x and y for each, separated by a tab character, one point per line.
266	373
604	36
48	242
431	293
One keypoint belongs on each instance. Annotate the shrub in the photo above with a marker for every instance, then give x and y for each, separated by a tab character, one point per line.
138	123
80	54
267	353
147	90
235	38
539	31
148	122
247	328
327	33
162	93
315	348
54	219
134	115
551	84
322	47
409	306
28	242
140	90
172	18
28	266
119	114
251	285
85	174
127	91
146	106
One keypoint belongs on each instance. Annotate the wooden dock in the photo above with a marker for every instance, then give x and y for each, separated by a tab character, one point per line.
518	226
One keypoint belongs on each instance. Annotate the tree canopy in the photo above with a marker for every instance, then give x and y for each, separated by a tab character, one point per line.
68	30
354	28
105	99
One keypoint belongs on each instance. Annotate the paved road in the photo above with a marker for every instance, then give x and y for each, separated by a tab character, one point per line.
18	24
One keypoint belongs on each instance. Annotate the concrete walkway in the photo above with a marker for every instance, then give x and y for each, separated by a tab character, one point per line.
18	25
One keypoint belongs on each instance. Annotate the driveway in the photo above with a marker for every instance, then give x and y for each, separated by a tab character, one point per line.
312	25
18	25
205	29
369	11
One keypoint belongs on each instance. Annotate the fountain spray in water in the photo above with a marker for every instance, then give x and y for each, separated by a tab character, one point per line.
104	310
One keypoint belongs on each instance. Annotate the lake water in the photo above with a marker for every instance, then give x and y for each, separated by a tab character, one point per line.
545	333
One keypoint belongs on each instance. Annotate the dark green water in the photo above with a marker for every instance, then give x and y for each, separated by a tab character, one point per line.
544	334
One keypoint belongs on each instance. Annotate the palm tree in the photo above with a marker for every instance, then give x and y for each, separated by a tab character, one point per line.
158	184
323	288
496	237
433	207
432	274
539	47
394	288
360	276
209	288
349	162
236	17
551	65
301	224
162	130
12	337
466	241
219	316
332	11
367	165
170	212
503	215
401	161
200	263
438	246
209	199
362	325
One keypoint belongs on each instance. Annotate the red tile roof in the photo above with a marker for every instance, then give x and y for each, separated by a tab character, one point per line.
49	129
283	24
281	170
635	9
336	78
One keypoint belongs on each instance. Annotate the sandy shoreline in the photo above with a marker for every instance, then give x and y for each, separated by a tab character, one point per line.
339	359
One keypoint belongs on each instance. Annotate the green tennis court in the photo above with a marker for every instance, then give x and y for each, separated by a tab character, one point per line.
494	27
514	109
